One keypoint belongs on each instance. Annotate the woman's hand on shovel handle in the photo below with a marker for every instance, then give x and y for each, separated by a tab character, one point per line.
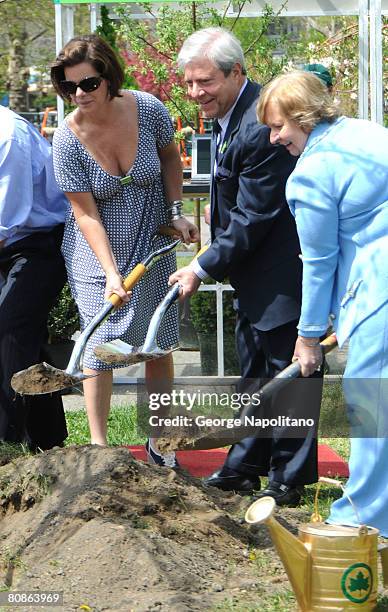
114	284
189	231
187	279
309	355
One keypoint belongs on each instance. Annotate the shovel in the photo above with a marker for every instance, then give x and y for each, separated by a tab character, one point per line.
43	377
225	437
119	352
188	337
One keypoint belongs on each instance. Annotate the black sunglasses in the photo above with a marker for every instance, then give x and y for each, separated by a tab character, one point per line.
87	85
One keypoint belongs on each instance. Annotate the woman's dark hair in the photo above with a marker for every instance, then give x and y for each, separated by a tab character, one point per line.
94	50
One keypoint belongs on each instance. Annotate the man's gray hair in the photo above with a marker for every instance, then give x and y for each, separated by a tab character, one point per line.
216	44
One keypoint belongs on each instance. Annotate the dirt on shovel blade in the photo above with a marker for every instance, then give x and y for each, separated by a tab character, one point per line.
111	358
40	378
187	438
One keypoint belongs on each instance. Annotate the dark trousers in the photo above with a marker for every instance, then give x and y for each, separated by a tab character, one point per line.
284	458
32	273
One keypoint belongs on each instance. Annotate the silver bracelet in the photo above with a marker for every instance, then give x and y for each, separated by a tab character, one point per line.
175	210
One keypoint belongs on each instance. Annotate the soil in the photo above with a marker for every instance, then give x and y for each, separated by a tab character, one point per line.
111	357
200	438
41	378
114	533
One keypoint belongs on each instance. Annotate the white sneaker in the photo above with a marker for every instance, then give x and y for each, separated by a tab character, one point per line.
166	460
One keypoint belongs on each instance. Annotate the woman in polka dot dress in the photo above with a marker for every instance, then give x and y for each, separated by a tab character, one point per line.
115	159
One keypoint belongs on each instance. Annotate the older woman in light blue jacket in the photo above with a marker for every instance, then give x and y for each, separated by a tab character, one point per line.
338	194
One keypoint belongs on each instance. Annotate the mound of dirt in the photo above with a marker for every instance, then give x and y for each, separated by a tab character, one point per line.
113	533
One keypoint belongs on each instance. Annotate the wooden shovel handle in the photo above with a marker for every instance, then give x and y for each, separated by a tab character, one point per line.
138	272
293	370
130	281
201	251
328	344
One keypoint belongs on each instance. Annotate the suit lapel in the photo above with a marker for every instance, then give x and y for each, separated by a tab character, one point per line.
250	93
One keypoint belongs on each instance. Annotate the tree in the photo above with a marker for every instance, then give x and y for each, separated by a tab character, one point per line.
333	42
151	46
108	31
271	44
22	23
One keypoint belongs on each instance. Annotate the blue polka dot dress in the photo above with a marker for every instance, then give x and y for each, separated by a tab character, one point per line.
130	214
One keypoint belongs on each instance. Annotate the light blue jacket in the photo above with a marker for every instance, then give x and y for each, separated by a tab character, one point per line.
338	194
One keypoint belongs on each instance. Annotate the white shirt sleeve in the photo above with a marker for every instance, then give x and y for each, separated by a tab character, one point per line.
196	268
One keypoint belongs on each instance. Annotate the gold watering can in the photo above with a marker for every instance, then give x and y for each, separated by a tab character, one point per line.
330	567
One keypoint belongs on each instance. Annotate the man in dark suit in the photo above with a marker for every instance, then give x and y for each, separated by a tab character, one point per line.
255	244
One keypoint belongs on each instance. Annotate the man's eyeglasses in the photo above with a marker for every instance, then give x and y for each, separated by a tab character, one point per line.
87	85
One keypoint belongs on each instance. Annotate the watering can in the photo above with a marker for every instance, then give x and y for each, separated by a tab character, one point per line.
330	567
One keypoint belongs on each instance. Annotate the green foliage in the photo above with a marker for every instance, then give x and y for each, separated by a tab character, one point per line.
9	451
203	312
63	319
271	44
333	42
262	38
42	102
108	32
153	44
26	21
204	319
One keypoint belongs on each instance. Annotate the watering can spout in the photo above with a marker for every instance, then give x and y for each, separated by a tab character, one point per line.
294	555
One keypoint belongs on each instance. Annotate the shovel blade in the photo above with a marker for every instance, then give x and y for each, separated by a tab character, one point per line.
43	378
120	353
117	352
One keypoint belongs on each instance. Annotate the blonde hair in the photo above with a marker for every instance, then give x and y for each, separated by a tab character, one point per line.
302	97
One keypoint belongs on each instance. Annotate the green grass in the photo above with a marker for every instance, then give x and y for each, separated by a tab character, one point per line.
184	260
278	602
122	427
10	451
333	420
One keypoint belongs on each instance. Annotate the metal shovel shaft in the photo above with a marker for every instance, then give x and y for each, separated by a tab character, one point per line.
150	345
74	364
